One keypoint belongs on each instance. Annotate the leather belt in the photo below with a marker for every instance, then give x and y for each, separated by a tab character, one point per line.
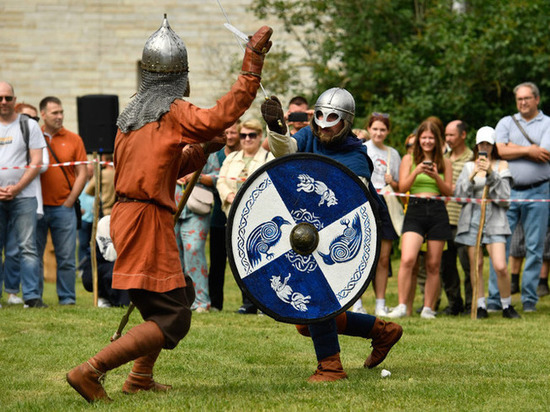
532	186
123	199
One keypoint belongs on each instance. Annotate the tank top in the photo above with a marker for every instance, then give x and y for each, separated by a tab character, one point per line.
424	183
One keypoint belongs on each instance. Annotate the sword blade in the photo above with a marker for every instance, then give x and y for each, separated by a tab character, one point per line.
236	32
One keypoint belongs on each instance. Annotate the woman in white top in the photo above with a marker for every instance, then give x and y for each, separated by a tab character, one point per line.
237	166
386	161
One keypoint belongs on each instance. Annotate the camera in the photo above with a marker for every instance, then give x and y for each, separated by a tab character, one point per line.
297	117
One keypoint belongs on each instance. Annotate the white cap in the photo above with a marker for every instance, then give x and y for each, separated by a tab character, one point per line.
485	134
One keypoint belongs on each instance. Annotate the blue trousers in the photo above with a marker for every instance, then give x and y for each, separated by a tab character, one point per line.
325	334
61	221
534	219
19	217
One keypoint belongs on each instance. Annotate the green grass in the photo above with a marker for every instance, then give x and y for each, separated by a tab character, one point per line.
248	363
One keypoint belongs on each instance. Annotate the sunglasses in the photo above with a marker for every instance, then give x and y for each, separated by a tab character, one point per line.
409	145
7	98
384	115
252	135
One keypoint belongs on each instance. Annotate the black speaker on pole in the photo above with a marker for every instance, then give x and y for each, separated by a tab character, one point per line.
97	116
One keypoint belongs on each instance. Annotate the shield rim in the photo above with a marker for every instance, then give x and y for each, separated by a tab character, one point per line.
229	243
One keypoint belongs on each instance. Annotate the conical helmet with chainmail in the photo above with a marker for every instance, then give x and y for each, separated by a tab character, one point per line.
164	79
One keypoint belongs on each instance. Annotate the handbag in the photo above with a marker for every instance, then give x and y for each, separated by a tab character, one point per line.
395	208
200	201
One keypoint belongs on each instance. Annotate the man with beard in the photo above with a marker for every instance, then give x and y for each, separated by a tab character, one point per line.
153	130
329	134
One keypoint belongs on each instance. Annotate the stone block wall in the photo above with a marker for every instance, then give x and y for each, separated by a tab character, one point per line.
70	48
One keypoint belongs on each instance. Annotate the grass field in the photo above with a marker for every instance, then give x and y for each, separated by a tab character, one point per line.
252	363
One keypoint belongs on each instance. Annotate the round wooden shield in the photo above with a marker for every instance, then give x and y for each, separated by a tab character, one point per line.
303	238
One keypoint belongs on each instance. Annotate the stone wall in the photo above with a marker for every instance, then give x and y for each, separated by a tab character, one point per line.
70	48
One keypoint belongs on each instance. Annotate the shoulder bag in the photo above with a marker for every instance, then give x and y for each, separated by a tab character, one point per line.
395	208
200	201
77	207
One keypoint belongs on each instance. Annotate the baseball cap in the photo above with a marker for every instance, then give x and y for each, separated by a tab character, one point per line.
485	134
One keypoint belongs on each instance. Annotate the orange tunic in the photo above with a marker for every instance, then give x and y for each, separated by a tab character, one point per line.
148	162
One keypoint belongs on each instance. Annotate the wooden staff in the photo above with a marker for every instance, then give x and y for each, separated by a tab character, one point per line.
181	205
474	279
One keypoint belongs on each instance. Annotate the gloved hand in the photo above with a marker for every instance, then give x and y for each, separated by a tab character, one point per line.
272	112
256	49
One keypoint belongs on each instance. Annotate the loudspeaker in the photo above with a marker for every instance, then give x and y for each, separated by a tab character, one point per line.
97	116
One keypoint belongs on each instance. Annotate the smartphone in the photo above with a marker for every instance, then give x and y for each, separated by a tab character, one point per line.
428	163
482	154
297	117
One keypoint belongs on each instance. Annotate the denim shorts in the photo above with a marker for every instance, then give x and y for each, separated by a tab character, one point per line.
428	218
469	238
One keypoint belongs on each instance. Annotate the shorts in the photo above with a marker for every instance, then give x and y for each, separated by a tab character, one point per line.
388	232
517	243
469	238
428	218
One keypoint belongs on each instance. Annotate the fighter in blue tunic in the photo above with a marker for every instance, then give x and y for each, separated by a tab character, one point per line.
329	134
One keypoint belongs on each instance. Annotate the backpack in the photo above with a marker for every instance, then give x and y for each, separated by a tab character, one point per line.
24	123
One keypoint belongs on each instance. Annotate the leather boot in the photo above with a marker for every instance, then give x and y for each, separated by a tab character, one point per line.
87	378
384	335
141	376
88	382
328	370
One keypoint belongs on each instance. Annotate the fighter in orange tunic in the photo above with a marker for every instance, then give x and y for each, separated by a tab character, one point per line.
153	130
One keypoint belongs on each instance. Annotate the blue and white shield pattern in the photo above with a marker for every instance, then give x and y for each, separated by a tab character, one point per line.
303	238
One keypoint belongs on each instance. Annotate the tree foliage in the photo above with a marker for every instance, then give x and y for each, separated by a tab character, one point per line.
417	58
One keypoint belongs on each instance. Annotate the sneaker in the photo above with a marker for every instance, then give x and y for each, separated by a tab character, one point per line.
35	303
427	313
510	313
529	307
542	290
381	311
103	303
492	308
14	300
201	309
398	312
482	313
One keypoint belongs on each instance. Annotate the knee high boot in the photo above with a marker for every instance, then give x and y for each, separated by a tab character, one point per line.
139	341
141	376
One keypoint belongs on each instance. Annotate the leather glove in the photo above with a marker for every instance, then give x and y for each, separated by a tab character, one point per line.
256	49
272	112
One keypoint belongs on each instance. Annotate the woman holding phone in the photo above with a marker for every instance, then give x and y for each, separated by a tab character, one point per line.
425	173
486	170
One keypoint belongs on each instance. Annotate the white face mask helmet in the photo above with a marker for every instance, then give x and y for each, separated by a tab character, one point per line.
332	106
